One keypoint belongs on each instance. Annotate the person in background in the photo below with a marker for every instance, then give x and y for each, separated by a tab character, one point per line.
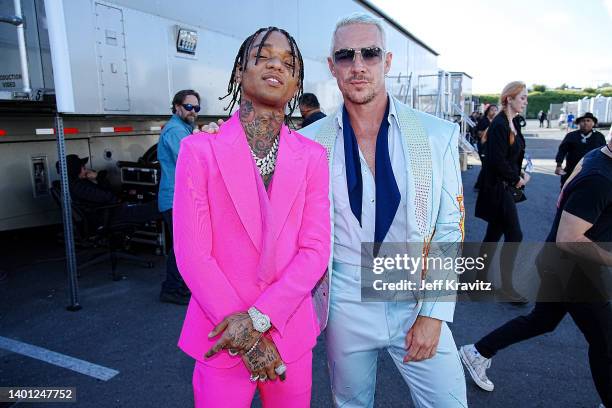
502	170
88	185
576	144
582	232
474	116
570	121
310	109
561	121
185	108
541	118
481	128
92	188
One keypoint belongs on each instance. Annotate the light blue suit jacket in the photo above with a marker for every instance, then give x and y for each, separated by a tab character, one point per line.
434	195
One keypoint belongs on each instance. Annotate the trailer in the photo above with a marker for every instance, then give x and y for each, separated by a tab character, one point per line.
584	106
112	67
600	106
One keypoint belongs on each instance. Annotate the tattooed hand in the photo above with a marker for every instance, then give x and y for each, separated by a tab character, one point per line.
238	334
263	360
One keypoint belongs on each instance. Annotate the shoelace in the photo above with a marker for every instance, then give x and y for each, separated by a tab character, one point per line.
488	360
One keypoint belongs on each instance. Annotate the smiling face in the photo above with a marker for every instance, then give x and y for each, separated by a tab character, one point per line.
272	80
360	81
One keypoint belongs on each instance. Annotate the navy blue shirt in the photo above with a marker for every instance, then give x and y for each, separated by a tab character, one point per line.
312	118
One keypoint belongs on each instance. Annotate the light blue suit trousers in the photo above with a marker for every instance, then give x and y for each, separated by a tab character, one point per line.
357	331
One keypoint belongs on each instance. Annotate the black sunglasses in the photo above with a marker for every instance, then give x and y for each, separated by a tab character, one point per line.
368	54
189	107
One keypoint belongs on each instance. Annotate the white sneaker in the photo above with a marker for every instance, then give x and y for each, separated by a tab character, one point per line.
477	366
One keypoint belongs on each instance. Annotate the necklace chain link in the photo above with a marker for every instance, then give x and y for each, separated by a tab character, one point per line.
267	164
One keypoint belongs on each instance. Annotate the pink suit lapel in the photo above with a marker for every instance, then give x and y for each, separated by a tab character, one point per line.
289	176
236	165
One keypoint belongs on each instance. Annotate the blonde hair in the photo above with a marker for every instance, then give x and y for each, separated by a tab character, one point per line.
359	18
511	91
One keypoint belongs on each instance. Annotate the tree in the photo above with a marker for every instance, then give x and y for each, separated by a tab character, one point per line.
589	90
563	87
539	88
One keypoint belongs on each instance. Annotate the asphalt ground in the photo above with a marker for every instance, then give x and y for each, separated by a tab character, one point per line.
124	327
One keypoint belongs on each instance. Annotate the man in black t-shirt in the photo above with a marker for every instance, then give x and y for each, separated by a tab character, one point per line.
586	201
576	144
582	231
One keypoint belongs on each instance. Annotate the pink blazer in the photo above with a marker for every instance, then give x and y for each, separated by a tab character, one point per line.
228	260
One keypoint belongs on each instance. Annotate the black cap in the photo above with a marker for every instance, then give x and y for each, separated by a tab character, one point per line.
587	115
73	165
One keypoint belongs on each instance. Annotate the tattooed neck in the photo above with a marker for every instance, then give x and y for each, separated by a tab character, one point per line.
261	126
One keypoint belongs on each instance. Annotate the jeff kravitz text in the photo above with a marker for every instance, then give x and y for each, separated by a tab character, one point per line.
436	285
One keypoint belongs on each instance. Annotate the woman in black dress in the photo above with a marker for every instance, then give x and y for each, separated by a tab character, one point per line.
504	149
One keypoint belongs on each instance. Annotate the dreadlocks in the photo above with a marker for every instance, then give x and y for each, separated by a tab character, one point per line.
242	60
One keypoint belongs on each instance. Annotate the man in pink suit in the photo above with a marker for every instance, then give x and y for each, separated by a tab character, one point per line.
252	237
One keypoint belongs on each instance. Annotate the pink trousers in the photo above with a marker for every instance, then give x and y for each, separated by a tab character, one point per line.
231	387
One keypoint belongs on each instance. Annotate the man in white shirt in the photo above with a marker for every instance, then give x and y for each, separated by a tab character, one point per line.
395	178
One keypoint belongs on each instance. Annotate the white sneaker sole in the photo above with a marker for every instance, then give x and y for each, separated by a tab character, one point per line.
477	380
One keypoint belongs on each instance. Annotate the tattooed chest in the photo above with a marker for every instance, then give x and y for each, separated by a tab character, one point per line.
261	127
261	148
261	140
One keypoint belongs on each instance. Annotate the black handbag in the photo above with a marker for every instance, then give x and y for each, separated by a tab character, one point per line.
518	194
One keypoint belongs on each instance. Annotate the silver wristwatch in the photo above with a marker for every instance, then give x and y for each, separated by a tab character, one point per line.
261	322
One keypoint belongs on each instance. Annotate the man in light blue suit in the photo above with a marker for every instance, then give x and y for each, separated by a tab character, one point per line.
395	178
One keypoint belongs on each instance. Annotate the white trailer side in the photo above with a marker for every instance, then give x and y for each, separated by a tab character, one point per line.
113	67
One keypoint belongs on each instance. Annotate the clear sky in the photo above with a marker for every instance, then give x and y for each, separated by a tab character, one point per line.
547	42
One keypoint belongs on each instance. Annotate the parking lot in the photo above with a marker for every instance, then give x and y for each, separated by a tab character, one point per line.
126	333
